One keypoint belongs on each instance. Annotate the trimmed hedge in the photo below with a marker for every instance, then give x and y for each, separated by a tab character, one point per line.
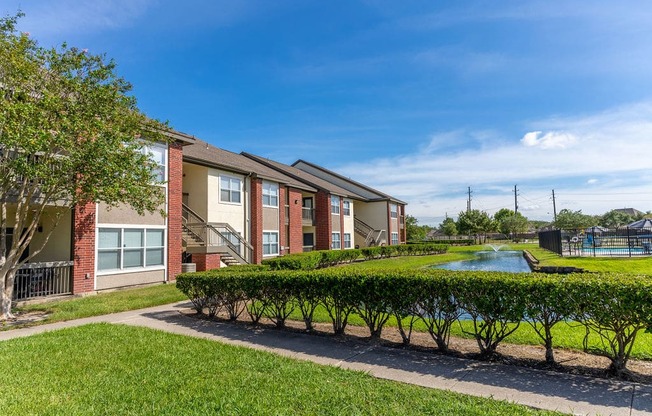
614	307
312	260
371	253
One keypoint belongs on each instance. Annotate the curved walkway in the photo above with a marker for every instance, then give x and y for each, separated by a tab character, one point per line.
573	394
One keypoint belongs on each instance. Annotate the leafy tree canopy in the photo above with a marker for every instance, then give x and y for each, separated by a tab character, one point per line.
69	133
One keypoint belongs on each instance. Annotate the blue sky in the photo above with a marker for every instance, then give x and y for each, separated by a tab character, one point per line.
419	99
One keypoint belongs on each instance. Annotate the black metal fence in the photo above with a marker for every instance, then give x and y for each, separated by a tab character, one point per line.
551	240
599	242
35	280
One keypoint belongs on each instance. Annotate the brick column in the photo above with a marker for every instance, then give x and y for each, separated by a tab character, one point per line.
323	224
206	261
341	223
175	194
281	221
257	219
404	232
389	223
296	221
83	248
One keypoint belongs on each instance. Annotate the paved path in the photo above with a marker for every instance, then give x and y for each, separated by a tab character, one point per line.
542	389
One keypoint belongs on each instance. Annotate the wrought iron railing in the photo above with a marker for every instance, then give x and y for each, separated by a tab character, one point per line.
35	280
308	216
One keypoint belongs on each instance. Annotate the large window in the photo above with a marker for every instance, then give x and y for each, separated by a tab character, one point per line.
393	210
158	155
394	239
347	240
335	204
270	194
230	189
336	242
129	248
346	208
270	243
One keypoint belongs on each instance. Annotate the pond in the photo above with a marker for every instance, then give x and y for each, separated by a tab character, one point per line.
496	261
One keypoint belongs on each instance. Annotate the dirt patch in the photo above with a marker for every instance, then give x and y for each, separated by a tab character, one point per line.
532	356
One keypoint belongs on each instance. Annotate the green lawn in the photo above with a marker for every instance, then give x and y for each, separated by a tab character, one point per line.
105	303
636	265
122	370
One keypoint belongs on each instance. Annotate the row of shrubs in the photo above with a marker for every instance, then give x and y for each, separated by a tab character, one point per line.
613	307
325	258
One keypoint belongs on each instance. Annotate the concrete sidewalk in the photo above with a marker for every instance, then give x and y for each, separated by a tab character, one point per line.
542	389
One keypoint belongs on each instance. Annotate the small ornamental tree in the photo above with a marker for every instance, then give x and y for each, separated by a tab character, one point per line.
69	134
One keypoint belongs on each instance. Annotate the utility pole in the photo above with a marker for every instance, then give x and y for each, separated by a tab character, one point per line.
468	203
554	205
515	200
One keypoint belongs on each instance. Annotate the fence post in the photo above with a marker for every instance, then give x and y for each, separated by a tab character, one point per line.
629	243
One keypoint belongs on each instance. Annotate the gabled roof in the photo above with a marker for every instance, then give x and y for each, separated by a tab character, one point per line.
630	211
205	154
183	138
305	177
365	191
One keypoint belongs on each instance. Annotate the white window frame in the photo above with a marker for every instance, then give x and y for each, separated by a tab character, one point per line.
346	208
335	208
230	180
347	241
271	193
270	244
395	241
121	249
150	150
393	210
336	244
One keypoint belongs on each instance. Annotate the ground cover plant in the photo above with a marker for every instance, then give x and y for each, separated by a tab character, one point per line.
613	308
141	371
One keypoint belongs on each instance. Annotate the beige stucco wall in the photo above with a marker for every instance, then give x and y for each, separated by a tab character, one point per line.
58	246
270	219
125	214
373	213
218	211
129	279
195	184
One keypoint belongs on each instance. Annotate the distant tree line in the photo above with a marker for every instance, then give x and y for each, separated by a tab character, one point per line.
511	224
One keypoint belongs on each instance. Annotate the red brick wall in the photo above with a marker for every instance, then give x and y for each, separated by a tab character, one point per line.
281	221
296	223
83	248
341	223
389	224
323	225
206	261
175	193
403	236
257	219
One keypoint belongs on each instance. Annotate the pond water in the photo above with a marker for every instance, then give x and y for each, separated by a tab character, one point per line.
496	261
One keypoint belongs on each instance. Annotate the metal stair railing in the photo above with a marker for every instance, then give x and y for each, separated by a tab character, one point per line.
371	235
210	236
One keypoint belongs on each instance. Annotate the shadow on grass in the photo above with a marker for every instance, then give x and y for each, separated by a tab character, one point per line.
420	367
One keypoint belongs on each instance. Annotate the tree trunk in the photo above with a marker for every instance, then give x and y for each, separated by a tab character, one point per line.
7	295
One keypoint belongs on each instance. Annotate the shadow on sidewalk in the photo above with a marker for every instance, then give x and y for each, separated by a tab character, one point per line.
417	367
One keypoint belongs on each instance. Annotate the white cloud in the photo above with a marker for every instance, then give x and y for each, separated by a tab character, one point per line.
551	140
610	148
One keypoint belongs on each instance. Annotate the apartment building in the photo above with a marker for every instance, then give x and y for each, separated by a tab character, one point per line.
222	208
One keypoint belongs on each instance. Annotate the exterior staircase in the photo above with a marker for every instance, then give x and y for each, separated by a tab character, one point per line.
372	237
200	236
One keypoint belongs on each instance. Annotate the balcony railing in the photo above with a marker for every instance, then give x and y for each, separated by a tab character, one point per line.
308	216
35	280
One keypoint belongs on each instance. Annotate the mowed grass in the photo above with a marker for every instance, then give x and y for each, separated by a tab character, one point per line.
634	265
123	370
105	303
